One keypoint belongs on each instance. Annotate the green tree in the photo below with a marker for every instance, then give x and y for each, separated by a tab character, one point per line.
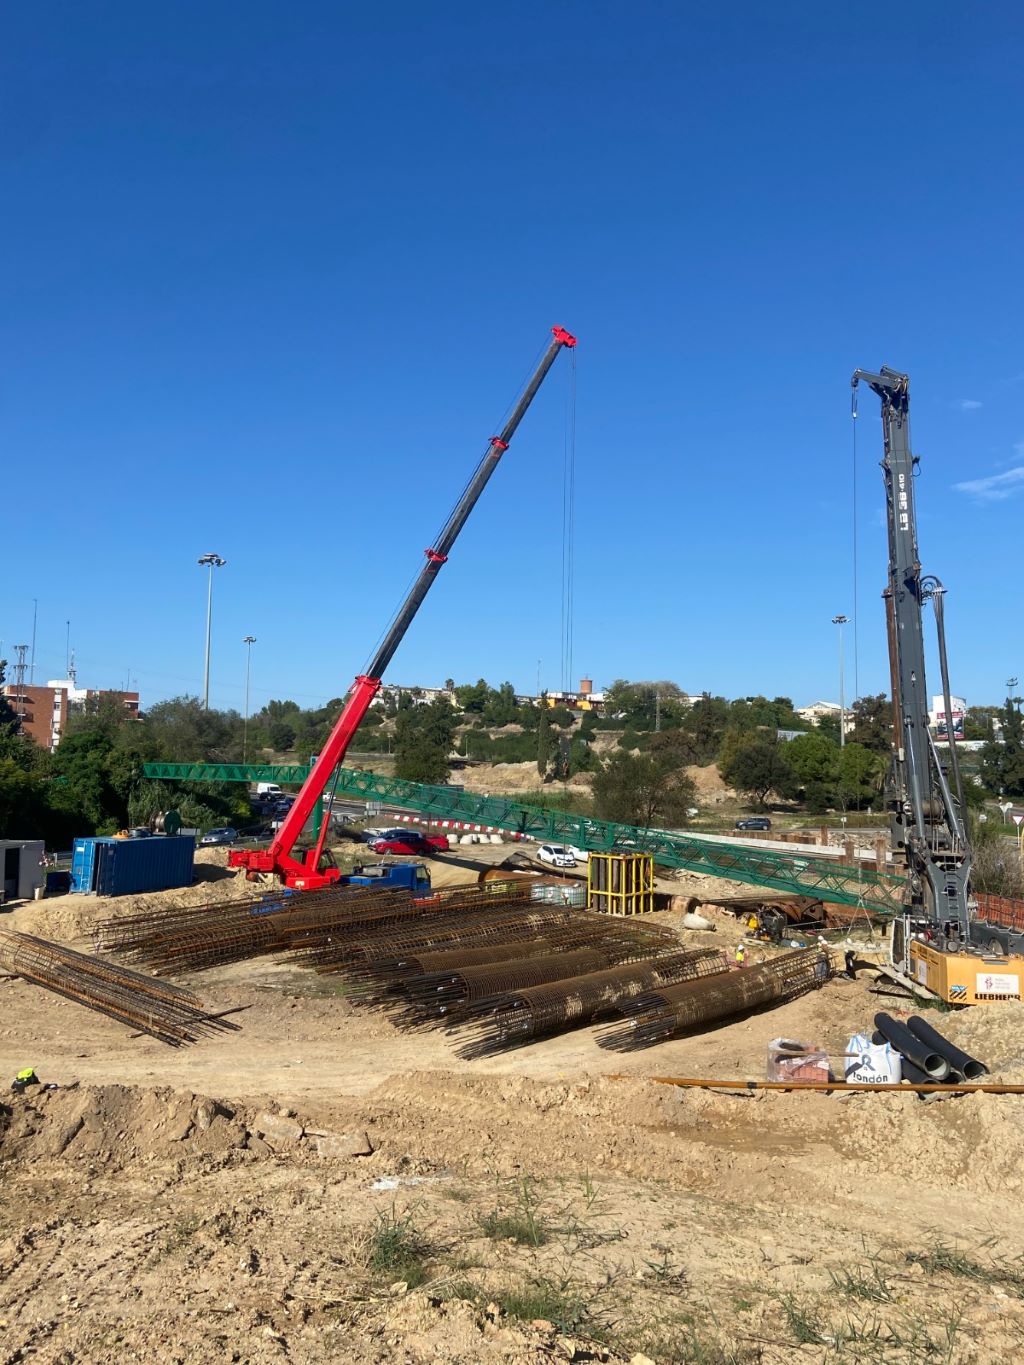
500	707
872	724
861	774
423	741
187	732
706	722
81	783
646	706
751	713
677	748
638	789
1002	764
814	759
473	697
8	715
979	722
201	805
828	726
756	763
23	807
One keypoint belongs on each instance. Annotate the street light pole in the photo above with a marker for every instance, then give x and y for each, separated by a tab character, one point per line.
249	641
840	621
212	562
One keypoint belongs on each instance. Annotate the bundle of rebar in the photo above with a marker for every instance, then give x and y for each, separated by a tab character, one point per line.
504	966
376	978
166	1012
197	939
370	943
440	996
519	1016
658	1015
458	927
122	932
332	929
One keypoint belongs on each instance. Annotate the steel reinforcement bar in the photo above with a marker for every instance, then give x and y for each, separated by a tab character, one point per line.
805	875
365	951
381	976
658	1015
437	996
516	1018
166	1012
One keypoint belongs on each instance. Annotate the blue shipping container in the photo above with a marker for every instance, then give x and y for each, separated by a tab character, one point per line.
83	867
123	867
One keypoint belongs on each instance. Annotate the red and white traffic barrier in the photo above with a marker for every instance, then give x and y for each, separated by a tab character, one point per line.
459	824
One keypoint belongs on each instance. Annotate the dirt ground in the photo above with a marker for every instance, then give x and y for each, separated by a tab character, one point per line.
319	1187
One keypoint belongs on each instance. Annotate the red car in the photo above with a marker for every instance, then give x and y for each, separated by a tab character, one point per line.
412	843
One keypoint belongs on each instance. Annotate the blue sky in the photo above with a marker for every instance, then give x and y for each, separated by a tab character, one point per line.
272	273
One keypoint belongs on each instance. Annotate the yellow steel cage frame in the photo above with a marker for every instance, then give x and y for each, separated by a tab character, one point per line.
620	883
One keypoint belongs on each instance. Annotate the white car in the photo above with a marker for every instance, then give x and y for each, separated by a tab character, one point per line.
557	855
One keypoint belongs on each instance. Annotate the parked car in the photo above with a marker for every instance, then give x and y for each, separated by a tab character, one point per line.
223	835
754	822
556	855
410	841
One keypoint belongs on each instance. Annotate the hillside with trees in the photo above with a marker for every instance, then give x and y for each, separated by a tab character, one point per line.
633	762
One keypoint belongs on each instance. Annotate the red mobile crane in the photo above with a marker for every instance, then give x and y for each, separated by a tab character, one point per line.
301	868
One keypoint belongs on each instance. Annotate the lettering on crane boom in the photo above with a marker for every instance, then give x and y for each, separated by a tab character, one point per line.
903	505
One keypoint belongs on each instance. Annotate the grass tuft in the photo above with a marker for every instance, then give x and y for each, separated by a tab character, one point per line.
802	1322
863	1282
941	1259
567	1306
396	1249
523	1223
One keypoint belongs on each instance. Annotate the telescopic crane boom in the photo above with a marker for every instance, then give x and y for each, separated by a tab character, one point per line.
926	814
302	870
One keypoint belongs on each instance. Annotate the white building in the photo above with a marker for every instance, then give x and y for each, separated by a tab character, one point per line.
818	710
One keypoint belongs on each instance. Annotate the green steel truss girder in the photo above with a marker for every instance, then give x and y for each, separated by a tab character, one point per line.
293	773
799	875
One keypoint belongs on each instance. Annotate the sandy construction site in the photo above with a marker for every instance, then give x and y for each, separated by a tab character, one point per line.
317	1186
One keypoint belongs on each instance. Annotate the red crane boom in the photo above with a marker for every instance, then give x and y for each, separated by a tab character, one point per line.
301	869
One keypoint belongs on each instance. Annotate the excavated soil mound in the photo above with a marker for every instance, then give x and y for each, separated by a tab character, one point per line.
123	1126
118	1125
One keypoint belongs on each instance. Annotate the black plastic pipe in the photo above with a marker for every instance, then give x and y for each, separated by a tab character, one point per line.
913	1073
969	1067
912	1048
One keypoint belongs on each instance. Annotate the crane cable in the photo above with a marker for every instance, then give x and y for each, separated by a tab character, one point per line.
569	531
856	613
469	479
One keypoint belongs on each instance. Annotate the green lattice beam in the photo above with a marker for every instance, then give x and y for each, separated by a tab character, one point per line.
797	874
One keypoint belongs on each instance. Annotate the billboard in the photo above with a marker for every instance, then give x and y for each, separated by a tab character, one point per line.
955	722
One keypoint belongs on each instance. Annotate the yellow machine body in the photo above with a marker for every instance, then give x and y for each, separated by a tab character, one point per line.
966	978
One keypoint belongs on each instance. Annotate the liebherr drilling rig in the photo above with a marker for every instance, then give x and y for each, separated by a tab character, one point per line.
942	941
